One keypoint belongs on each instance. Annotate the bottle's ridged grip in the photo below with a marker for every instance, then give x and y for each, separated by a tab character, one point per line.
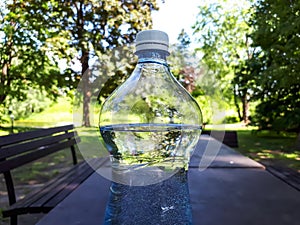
152	39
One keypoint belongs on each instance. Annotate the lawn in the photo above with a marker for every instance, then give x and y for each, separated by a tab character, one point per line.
58	113
268	145
264	145
261	145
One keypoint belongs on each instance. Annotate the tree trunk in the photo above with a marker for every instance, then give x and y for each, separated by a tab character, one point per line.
86	89
245	104
298	141
237	106
3	78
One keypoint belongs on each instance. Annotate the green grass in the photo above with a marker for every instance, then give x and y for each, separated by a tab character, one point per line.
259	146
268	145
44	169
91	145
57	114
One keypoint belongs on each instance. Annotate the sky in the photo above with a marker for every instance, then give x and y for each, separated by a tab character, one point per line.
174	15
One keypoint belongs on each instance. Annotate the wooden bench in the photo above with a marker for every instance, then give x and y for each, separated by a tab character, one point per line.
22	148
228	138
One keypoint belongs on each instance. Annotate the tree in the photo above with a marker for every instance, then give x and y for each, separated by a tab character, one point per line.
85	28
276	32
193	75
224	41
185	65
24	56
97	26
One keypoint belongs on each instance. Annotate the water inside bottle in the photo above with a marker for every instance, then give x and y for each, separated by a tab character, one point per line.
150	148
149	167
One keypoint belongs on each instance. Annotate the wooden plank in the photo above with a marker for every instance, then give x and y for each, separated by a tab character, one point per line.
78	174
22	148
61	179
26	205
86	205
10	187
21	160
72	185
218	196
288	175
45	199
228	138
75	183
241	196
22	210
9	151
212	153
14	138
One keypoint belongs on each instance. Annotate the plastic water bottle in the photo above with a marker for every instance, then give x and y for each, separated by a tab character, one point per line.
150	125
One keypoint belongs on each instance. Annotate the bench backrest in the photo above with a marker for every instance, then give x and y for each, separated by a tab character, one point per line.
228	138
22	148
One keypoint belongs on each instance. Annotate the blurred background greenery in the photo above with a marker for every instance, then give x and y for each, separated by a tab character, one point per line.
241	64
238	58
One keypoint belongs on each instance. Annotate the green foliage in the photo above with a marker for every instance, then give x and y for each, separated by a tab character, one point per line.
36	36
111	70
25	57
231	119
94	28
189	71
276	32
56	113
205	103
256	50
222	31
35	101
26	61
182	57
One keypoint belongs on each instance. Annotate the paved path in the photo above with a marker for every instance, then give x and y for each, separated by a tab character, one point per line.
232	190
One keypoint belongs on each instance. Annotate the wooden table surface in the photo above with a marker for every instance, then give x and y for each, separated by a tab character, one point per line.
225	188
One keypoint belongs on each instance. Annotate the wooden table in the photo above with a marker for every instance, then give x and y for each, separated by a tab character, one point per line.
233	190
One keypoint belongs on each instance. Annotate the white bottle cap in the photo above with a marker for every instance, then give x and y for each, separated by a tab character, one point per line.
152	39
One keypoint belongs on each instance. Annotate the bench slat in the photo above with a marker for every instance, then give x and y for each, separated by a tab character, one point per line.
228	138
22	148
54	186
34	202
9	151
51	185
72	185
21	160
61	195
14	138
38	202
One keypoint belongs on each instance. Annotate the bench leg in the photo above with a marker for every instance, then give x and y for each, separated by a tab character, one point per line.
14	220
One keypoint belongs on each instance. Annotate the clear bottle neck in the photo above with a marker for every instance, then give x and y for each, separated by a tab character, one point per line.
152	56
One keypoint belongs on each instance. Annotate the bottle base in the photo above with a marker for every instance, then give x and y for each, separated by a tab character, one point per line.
166	202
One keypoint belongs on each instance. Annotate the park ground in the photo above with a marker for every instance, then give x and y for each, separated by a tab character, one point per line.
266	147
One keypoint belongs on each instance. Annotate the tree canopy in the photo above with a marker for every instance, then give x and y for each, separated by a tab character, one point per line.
253	49
222	31
250	50
37	36
276	32
24	56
